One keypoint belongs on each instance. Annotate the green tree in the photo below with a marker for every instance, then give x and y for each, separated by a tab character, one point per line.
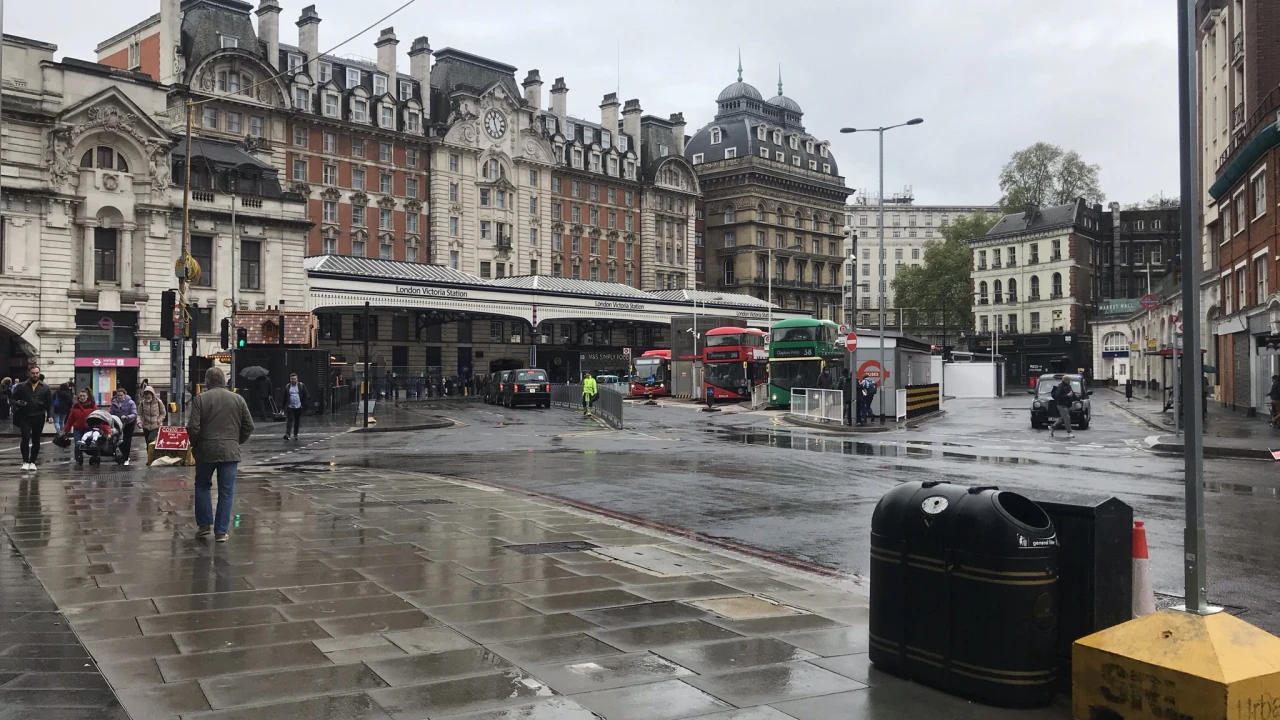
938	293
969	227
1159	201
1044	175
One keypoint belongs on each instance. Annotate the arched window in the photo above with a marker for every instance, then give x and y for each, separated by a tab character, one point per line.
982	293
728	271
1115	342
780	270
782	219
760	214
104	158
995	289
716	136
1035	287
1057	285
1013	290
730	215
799	220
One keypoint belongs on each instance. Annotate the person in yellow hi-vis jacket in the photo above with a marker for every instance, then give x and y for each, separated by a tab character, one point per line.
589	393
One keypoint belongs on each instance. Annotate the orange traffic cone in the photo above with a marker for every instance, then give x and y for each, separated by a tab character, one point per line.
1144	595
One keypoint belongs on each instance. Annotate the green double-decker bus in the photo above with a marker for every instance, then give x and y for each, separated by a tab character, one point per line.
798	350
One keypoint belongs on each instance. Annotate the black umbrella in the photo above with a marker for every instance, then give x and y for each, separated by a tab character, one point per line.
253	372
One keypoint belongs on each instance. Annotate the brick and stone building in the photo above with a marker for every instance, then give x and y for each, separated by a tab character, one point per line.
774	203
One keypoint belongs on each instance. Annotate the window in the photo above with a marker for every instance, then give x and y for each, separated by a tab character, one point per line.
484	230
1035	327
256	126
388	119
1260	193
233	122
384	152
577	158
1013	290
1056	247
595	246
329	246
983	325
997	291
301	98
326	72
379	84
1227	294
628	196
1012	327
1057	284
595	215
411	254
331	104
300	169
411	157
576	245
250	265
1035	254
453	227
533	237
330	211
357	215
730	153
484	273
484	197
730	239
384	219
454	161
330	175
1035	288
411	187
1260	278
983	299
595	166
300	136
500	199
384	183
360	111
411	223
453	259
629	222
330	142
226	41
1242	283
384	251
730	215
209	118
353	77
982	259
728	272
357	147
357	179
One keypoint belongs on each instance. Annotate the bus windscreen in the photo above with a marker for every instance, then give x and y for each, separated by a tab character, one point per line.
650	367
723	340
795	374
800	334
729	376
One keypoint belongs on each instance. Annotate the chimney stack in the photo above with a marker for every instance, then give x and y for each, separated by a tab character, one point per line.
533	89
560	100
420	71
309	39
677	132
609	114
631	123
170	36
386	45
269	30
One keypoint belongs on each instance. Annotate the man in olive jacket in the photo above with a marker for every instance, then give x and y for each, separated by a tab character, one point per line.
218	425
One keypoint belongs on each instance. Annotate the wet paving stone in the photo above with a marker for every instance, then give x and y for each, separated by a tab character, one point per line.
340	591
666	700
439	665
147	646
755	713
564	586
831	642
110	610
131	673
219	601
608	672
523	628
208	620
735	655
247	660
855	667
481	611
560	649
685	591
342	608
163	701
643	614
774	683
463	695
273	687
644	637
459	594
185	587
591	600
518	575
556	708
250	636
774	625
428	640
333	707
385	622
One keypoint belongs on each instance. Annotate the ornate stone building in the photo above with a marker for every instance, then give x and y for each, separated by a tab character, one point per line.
774	203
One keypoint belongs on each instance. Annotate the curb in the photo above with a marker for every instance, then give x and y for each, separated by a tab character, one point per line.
924	419
435	425
1136	416
843	429
1155	442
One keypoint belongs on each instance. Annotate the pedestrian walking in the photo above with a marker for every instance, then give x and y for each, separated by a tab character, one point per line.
589	393
63	398
1128	390
825	381
1062	396
77	421
1274	394
151	414
32	401
296	401
6	395
846	387
866	392
219	423
123	407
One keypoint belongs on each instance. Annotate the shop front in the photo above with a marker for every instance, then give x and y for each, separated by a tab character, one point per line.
106	353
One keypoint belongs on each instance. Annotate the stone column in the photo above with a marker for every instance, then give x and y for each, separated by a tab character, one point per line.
125	252
87	226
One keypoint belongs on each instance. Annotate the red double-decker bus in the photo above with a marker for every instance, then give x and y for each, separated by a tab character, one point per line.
652	374
734	361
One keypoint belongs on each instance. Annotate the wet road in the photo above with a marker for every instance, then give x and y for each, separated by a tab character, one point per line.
809	494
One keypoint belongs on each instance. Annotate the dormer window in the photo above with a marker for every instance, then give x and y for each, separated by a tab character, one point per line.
326	72
813	164
795	160
353	77
826	168
295	62
622	143
697	158
570	131
613	168
824	150
588	135
777	137
762	133
663	151
577	158
606	139
413	122
406	90
764	153
301	99
730	153
808	147
229	82
379	85
388	116
595	162
331	104
716	136
630	173
227	41
550	124
795	142
360	111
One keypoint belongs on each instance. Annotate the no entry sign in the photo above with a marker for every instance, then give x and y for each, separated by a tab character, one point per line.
851	341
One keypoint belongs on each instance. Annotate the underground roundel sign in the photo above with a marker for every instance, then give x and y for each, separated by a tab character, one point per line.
871	369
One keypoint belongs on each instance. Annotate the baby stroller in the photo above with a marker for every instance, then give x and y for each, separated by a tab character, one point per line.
101	438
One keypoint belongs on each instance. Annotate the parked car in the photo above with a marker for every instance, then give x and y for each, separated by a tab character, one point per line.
491	387
1081	410
526	387
608	380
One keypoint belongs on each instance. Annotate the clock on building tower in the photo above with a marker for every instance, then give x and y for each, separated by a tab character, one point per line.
495	124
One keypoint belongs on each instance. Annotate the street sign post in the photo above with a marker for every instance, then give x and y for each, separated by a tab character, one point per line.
172	438
1149	302
851	341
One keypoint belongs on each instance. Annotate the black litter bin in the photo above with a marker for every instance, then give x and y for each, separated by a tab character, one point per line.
964	592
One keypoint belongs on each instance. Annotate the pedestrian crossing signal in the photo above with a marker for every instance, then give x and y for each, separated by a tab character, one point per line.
242	337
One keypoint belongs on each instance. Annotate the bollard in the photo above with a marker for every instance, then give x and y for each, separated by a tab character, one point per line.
1144	596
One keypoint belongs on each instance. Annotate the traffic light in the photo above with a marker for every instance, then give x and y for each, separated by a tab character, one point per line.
168	305
242	337
226	333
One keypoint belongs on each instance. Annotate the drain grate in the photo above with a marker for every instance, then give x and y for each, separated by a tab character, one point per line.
552	547
428	501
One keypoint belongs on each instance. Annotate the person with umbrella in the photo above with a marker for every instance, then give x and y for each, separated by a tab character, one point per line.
258	375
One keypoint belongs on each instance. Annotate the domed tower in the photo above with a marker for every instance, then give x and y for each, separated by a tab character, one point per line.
791	108
738	95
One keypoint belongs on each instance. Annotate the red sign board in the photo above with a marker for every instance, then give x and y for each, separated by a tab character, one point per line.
1149	302
870	369
106	362
172	438
851	341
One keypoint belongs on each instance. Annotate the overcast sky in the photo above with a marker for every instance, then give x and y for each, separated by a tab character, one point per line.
988	76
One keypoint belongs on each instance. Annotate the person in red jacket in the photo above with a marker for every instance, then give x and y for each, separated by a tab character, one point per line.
76	424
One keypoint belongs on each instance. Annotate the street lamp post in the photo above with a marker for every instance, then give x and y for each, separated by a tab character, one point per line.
880	233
